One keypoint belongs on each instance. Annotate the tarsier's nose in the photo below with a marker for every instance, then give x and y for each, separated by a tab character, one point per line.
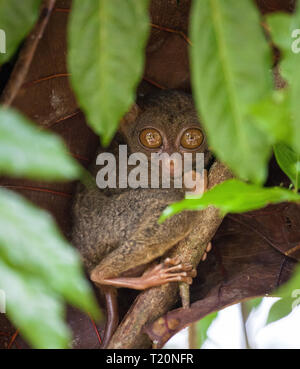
173	164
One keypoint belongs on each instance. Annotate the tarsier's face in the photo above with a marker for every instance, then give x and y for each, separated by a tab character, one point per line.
168	123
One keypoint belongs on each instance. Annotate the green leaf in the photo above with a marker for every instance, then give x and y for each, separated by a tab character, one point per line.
273	115
233	196
31	243
26	151
203	326
106	58
16	20
290	294
291	287
282	27
230	62
253	303
280	310
289	162
248	306
34	309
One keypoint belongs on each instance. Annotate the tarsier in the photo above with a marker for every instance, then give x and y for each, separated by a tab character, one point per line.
117	230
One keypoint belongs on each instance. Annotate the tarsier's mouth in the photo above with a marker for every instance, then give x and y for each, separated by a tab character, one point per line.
172	169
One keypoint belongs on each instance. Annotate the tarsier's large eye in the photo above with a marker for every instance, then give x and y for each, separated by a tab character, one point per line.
192	138
151	138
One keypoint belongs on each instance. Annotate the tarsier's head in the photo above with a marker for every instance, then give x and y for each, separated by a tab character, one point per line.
166	122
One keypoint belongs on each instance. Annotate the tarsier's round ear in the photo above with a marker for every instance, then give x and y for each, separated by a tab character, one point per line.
129	117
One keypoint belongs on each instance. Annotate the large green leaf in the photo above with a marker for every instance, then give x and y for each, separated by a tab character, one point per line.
26	151
233	196
230	61
31	242
34	309
38	268
289	162
273	115
203	326
106	58
16	20
282	27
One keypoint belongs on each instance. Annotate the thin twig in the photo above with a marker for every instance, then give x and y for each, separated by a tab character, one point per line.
158	85
170	30
71	115
26	56
96	330
62	10
37	189
13	338
47	78
279	275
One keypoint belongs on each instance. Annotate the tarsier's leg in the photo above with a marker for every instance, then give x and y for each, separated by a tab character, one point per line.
142	248
171	270
133	253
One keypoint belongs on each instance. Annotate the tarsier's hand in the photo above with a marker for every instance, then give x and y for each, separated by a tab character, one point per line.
170	270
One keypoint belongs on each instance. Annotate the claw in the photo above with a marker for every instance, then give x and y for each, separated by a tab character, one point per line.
209	247
189	281
193	273
173	261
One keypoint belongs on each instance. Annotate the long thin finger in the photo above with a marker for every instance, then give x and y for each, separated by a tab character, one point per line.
170	275
179	267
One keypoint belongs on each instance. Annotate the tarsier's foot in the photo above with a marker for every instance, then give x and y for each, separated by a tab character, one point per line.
208	249
171	270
